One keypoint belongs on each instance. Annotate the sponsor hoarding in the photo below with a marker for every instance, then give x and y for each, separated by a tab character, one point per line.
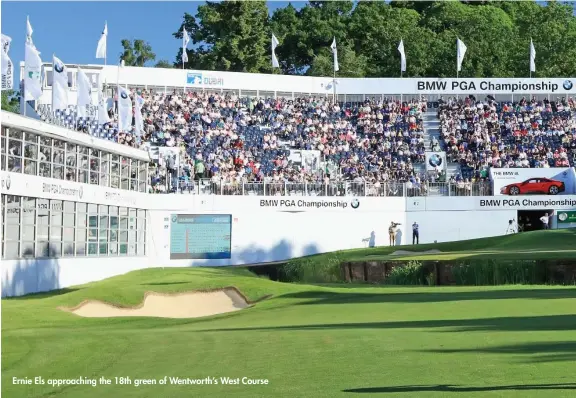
567	217
526	203
435	160
490	203
550	181
203	79
300	204
41	187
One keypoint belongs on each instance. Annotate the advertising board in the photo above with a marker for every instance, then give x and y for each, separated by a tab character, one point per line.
541	181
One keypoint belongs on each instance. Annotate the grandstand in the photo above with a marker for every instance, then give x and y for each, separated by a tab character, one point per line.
300	149
234	133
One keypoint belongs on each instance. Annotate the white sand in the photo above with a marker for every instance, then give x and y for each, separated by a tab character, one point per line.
180	305
406	252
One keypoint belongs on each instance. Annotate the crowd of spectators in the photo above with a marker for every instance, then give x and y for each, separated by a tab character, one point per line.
233	140
527	133
381	142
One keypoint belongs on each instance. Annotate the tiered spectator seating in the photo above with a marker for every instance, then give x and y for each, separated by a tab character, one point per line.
248	139
230	139
528	133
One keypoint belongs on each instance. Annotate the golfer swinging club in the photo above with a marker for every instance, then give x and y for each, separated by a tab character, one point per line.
392	232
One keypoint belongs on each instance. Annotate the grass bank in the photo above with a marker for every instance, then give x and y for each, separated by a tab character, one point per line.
502	259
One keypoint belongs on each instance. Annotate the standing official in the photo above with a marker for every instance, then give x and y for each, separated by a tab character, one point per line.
415	234
545	219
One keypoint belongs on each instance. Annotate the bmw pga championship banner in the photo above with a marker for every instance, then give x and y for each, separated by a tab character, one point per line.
435	161
551	181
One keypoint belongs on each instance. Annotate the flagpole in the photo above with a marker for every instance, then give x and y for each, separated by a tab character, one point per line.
106	52
401	94
118	99
334	92
457	65
23	80
53	110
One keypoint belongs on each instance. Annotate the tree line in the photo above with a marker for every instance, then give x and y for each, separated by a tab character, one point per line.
235	36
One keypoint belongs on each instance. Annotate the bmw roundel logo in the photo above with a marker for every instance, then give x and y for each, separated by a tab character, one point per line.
567	85
124	95
59	68
435	160
355	203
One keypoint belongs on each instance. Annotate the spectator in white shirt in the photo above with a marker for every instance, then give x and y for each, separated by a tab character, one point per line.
545	221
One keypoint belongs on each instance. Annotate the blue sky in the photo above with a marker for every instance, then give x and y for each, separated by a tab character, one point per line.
71	30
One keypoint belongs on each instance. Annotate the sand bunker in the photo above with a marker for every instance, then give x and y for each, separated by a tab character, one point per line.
162	305
406	252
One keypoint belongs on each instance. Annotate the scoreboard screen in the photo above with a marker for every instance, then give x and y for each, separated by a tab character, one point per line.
200	236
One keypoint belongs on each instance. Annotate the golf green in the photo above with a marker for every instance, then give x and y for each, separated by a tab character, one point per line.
557	244
304	341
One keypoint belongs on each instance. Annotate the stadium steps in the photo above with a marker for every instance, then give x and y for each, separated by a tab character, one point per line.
431	130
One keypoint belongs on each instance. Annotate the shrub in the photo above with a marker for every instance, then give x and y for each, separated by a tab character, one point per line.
413	273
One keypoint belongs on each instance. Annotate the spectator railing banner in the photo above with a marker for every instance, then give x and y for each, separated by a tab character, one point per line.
251	82
345	188
530	181
435	161
306	159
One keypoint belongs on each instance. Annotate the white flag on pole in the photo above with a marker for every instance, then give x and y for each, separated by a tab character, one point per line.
185	41
124	110
402	56
335	52
532	57
32	73
139	120
275	44
102	108
460	52
101	49
59	84
7	66
29	31
84	91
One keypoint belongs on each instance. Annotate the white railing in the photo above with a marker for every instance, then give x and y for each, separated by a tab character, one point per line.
346	188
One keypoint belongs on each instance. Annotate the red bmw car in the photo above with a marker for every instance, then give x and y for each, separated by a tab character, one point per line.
534	185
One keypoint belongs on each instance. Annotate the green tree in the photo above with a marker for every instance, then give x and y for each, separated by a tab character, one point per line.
350	64
321	22
136	52
287	26
10	101
164	64
229	36
235	36
377	28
